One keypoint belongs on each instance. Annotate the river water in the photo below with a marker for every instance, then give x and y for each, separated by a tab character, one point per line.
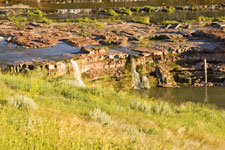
79	4
211	95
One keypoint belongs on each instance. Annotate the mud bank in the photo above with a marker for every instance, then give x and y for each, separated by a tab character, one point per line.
169	56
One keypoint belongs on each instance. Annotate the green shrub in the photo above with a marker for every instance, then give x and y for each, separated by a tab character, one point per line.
201	18
142	106
112	13
21	102
170	9
126	11
45	20
101	117
143	20
166	22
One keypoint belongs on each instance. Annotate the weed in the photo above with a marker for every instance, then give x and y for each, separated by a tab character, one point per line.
21	102
101	117
143	20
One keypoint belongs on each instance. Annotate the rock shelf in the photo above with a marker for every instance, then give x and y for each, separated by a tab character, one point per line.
173	56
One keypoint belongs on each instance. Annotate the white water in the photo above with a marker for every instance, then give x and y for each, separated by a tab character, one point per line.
138	83
77	75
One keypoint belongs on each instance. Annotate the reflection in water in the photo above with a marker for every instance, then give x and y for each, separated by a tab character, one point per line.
206	99
209	95
72	4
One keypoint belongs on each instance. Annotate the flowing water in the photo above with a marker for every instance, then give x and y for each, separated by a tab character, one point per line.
12	54
77	74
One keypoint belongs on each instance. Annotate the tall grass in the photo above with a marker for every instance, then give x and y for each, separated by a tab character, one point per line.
101	118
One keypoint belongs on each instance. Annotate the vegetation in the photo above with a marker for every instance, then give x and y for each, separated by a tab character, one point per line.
170	9
99	118
149	9
32	15
166	22
112	13
143	20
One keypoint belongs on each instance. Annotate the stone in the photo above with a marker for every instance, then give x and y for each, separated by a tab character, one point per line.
9	39
61	68
93	50
1	38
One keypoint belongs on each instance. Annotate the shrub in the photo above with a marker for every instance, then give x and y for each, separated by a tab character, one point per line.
166	22
126	11
170	9
101	117
162	108
201	18
143	20
22	102
142	106
112	13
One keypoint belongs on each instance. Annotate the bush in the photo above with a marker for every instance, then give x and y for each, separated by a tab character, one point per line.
22	102
166	22
101	117
142	106
112	13
126	11
143	20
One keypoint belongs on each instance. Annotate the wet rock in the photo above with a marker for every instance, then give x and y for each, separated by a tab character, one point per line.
93	50
61	68
9	39
148	50
81	42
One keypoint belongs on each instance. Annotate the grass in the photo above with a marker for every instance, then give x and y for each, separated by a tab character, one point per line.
32	15
112	12
166	22
142	20
101	118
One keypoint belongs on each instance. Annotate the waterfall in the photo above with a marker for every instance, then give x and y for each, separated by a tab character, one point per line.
145	82
139	83
77	74
135	75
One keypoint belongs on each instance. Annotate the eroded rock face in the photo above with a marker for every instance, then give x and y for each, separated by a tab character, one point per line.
174	55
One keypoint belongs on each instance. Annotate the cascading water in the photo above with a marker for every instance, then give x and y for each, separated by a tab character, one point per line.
77	74
135	75
138	83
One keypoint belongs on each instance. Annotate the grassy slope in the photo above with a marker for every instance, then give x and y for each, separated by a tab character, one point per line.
67	118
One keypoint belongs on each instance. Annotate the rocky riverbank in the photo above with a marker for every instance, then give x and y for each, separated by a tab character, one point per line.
169	55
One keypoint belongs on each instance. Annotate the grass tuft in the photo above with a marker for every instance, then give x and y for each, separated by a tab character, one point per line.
22	102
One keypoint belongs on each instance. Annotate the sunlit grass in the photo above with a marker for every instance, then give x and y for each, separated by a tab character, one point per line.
101	118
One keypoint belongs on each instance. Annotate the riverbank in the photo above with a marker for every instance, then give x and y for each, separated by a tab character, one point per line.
62	116
169	54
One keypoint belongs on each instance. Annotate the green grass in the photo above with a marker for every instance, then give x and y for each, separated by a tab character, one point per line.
32	15
166	22
100	118
112	12
142	20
